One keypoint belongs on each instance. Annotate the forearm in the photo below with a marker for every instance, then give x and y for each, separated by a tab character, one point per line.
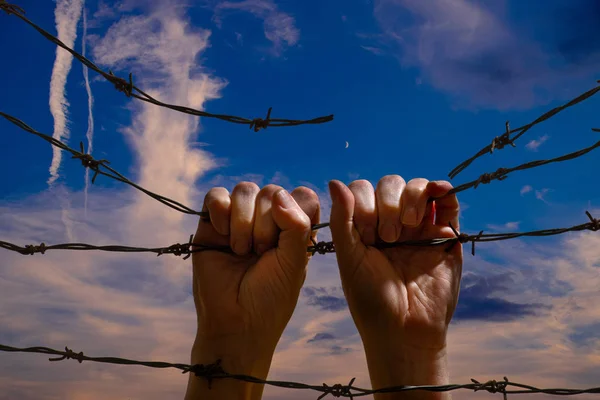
236	358
390	366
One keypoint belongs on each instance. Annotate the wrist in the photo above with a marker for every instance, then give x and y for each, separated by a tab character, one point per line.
403	365
239	357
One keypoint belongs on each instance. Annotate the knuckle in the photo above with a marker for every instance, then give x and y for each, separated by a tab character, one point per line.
269	190
306	193
417	182
360	184
392	180
246	188
214	194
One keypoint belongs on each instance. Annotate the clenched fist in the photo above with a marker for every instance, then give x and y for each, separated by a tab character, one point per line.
251	295
404	296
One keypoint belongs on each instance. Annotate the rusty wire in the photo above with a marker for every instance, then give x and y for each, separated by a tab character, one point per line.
216	371
322	247
127	86
499	142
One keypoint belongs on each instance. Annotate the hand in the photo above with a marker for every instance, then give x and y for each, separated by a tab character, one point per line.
250	296
244	300
404	295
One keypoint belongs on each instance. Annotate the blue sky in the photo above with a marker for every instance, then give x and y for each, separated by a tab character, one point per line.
416	87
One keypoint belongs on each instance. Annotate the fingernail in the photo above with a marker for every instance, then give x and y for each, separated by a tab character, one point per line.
285	200
388	232
410	216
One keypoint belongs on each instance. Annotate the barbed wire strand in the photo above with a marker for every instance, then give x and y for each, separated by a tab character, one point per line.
89	162
216	371
127	86
499	142
323	247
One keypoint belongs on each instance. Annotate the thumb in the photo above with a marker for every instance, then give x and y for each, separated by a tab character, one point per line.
349	247
295	231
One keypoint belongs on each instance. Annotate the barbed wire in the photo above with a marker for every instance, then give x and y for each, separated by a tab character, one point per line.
322	247
499	142
127	86
216	371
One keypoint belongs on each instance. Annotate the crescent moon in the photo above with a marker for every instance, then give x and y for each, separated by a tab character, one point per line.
347	144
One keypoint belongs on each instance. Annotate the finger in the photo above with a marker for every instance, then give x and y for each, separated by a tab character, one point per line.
414	202
365	211
295	232
215	232
243	205
387	194
349	249
308	201
265	232
446	208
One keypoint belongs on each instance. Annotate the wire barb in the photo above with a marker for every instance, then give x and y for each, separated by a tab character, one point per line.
121	84
69	354
492	386
337	390
259	123
88	162
503	140
11	8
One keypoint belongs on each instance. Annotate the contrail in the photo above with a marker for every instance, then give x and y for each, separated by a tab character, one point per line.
67	16
90	130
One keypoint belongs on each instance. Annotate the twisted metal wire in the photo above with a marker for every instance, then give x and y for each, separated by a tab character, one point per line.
499	142
127	86
216	371
323	247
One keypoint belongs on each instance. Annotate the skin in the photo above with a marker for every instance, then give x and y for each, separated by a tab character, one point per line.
413	290
401	299
235	294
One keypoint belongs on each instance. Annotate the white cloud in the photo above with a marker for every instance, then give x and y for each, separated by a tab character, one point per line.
534	144
509	226
375	50
279	27
526	189
539	194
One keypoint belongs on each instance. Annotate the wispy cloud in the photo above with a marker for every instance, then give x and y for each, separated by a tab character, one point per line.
67	16
375	50
539	194
509	226
534	144
279	27
468	50
526	189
